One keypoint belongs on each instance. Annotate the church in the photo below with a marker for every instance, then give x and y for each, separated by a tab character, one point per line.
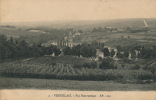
66	41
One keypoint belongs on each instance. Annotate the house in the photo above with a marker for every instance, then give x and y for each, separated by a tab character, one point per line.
129	56
77	33
54	43
35	30
136	53
99	54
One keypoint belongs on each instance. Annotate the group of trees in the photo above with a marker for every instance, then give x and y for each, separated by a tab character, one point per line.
138	30
107	52
147	53
128	29
90	65
107	64
8	26
11	49
143	52
105	29
85	50
49	34
89	50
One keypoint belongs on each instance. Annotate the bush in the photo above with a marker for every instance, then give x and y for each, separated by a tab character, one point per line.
145	76
151	67
123	65
126	60
86	65
136	67
90	65
106	64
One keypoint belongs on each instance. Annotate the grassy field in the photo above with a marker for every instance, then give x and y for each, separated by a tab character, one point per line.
16	33
63	68
114	39
28	83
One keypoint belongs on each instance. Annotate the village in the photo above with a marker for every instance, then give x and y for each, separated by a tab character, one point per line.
68	42
123	55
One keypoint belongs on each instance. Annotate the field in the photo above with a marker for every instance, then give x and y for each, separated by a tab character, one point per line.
114	39
29	83
68	72
63	68
16	33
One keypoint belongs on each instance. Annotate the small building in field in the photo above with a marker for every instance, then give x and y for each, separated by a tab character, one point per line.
99	53
77	33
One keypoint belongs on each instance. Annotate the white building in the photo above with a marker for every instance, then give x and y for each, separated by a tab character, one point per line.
99	53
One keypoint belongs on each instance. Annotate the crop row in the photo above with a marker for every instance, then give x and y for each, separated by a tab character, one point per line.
45	68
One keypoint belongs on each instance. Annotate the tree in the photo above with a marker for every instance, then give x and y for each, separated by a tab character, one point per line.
107	64
23	48
10	49
119	48
112	53
133	54
128	29
126	54
76	50
57	51
152	67
4	48
106	52
67	50
87	50
120	55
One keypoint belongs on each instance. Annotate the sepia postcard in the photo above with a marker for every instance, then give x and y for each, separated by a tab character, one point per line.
77	49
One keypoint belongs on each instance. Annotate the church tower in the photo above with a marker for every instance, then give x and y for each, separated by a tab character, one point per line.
70	39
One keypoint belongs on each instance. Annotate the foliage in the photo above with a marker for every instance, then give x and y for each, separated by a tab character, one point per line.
107	64
86	50
50	34
136	67
62	67
143	52
97	45
151	67
120	55
86	65
106	52
10	49
112	53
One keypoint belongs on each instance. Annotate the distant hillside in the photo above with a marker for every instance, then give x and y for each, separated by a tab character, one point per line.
151	22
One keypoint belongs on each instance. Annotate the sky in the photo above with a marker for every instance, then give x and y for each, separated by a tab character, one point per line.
50	10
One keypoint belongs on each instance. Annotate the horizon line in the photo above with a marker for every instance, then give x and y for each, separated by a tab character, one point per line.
75	20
